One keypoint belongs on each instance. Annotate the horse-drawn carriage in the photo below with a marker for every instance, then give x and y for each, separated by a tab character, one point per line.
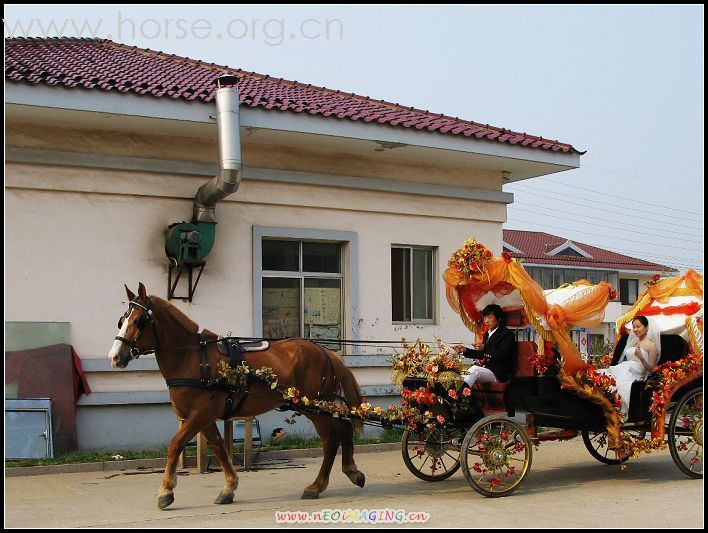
560	390
448	426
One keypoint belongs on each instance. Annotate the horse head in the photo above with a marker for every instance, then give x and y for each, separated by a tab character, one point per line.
132	324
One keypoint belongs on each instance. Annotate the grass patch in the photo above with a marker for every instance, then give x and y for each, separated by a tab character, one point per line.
292	443
88	457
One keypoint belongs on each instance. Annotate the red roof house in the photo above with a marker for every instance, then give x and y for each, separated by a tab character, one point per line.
538	248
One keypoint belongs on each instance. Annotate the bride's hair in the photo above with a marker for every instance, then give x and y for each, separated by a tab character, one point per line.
644	320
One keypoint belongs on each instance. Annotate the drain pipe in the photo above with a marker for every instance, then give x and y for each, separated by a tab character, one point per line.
229	176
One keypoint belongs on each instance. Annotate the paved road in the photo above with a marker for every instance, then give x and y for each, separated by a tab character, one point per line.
565	488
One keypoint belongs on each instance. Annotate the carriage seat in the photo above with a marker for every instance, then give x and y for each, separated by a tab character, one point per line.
490	396
673	348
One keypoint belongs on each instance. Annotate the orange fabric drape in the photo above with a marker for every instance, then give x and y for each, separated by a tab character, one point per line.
663	289
683	309
586	309
501	276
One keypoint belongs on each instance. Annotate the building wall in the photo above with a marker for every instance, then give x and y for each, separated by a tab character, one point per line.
75	235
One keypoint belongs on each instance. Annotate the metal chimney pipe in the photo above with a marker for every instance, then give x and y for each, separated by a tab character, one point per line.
229	177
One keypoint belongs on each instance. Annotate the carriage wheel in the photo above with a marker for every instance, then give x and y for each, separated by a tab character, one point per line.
432	454
496	455
596	443
686	433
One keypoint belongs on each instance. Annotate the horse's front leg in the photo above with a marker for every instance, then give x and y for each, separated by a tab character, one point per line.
330	444
211	432
190	427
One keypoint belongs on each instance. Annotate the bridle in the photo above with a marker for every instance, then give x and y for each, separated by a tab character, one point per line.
143	321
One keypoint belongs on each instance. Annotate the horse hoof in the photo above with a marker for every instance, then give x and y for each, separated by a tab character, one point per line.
310	495
165	501
223	499
360	479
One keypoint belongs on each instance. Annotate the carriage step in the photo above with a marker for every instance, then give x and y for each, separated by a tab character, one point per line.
563	434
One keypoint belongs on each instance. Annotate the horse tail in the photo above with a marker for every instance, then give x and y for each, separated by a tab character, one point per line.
350	387
352	393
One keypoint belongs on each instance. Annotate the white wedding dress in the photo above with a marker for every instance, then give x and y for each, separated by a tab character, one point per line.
627	371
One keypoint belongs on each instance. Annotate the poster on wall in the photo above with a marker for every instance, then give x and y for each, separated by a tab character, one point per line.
322	305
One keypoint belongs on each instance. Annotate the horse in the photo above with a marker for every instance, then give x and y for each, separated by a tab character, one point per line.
186	358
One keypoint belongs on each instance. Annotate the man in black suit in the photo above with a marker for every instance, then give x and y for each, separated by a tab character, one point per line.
496	354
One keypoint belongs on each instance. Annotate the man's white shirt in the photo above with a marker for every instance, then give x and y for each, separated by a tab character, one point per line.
492	333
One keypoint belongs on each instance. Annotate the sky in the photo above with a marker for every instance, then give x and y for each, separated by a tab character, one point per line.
624	83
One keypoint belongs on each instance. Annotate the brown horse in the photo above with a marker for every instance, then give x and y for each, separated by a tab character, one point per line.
151	323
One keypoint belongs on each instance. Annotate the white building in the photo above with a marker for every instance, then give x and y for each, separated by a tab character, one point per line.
348	210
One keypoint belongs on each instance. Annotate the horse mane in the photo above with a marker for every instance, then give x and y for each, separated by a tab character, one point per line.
183	320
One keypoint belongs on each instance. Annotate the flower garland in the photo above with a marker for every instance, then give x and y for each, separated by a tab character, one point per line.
438	370
596	386
672	376
470	259
408	414
601	388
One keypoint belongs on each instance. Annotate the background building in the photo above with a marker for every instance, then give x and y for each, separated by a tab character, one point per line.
347	212
553	261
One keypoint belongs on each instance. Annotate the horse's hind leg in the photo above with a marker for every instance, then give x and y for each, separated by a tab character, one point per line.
211	432
330	444
348	465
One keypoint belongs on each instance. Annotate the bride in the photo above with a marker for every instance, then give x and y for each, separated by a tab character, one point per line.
638	359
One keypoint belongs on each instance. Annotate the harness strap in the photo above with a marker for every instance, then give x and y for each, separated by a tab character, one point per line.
201	384
235	353
218	384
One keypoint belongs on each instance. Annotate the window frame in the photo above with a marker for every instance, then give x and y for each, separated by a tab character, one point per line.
348	274
433	288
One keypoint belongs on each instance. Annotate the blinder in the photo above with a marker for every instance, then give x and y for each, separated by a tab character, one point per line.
141	323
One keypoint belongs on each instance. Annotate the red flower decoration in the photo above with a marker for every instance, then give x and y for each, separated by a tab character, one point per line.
507	256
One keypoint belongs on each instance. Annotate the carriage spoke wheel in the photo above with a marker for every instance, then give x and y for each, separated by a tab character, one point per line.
432	454
596	443
686	433
496	455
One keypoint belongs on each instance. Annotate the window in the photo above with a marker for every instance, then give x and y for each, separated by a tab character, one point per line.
535	273
412	286
548	278
629	291
552	278
570	252
302	289
558	278
594	276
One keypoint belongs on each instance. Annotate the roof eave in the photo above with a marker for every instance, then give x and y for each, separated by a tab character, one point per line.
515	162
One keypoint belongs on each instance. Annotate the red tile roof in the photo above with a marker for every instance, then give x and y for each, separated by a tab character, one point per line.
108	66
535	246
